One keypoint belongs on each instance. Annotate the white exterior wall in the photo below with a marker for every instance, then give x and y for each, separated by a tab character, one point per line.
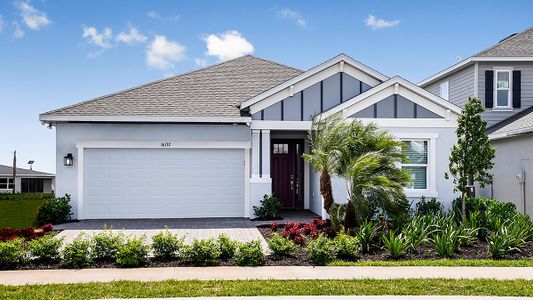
68	134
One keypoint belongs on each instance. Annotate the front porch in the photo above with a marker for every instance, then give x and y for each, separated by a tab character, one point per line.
297	216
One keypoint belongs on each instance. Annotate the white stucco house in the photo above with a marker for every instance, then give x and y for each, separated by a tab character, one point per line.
212	142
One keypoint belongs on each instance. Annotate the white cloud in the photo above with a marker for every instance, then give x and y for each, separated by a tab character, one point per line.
162	53
153	14
228	45
32	17
376	23
18	33
200	62
99	39
290	14
133	36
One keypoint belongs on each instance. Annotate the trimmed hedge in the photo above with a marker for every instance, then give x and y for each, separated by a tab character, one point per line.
26	196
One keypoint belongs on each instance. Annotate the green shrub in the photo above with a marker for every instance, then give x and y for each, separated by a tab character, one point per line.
54	211
12	253
249	254
321	250
227	246
269	208
105	244
346	247
429	207
336	216
367	235
133	252
281	247
76	255
521	229
395	244
45	249
446	241
500	242
203	252
418	231
26	196
167	246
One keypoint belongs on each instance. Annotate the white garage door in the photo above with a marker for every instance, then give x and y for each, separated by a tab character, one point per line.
163	183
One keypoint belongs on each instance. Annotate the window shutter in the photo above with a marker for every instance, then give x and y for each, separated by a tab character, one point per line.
489	89
517	89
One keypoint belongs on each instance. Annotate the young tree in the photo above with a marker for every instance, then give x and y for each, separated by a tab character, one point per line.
471	158
325	140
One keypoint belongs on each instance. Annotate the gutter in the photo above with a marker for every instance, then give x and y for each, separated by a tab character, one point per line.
52	119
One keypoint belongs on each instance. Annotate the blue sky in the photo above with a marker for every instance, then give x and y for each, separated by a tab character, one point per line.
58	52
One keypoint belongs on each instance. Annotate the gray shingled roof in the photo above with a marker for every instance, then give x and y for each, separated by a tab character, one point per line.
518	45
214	91
521	122
8	171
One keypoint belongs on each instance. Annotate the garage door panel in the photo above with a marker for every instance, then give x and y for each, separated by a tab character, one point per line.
163	183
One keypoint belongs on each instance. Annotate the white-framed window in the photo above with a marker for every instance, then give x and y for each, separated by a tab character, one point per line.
416	162
502	89
6	183
444	90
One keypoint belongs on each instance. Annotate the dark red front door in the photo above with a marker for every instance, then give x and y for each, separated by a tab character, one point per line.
287	172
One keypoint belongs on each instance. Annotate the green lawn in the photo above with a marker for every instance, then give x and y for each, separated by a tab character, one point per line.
130	289
440	262
19	213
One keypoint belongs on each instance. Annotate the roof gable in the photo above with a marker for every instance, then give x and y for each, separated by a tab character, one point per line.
517	45
214	91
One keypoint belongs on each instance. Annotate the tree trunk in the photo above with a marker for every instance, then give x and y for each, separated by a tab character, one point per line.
325	190
350	221
463	206
14	173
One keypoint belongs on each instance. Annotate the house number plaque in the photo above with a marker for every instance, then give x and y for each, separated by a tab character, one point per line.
166	144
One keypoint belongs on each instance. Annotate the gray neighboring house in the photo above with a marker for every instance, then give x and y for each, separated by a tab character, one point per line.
26	181
212	142
502	78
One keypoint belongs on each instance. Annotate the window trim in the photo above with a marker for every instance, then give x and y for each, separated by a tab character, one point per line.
447	84
426	165
509	89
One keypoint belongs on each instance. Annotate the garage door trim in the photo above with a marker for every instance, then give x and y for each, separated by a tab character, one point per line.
81	146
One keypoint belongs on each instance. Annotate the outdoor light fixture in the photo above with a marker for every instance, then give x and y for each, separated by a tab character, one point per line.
68	160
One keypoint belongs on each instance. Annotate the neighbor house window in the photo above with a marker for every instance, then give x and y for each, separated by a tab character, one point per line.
416	163
503	89
6	183
444	92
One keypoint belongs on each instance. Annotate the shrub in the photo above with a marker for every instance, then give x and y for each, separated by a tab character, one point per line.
321	250
500	243
76	255
367	234
428	207
12	253
226	246
395	244
446	241
47	227
417	231
8	233
167	246
55	211
521	229
203	252
281	247
269	208
346	247
249	254
46	249
105	244
27	233
133	252
26	196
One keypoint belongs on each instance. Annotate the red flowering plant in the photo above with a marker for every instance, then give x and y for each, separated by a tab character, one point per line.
28	233
298	232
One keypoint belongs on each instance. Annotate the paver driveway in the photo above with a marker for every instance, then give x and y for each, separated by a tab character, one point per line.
239	229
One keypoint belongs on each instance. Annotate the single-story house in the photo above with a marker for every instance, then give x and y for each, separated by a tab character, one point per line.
26	181
212	142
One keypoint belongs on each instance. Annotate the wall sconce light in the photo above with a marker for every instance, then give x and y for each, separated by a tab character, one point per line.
68	160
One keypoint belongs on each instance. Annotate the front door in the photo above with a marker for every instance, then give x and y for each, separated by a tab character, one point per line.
287	172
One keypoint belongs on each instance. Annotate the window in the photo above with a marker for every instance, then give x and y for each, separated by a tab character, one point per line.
444	92
280	149
6	183
416	163
502	92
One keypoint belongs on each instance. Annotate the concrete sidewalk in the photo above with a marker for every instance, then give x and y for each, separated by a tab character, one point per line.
275	273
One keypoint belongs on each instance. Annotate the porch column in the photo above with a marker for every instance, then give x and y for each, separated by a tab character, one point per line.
256	144
265	157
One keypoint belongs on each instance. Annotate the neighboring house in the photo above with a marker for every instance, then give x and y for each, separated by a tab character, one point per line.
502	78
26	181
212	142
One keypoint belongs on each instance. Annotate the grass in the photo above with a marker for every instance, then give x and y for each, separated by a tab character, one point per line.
439	262
19	213
130	289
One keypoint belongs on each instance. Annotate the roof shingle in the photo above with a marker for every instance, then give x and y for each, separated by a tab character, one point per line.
214	91
8	171
518	45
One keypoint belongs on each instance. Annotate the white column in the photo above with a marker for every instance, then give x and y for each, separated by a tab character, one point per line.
265	138
255	153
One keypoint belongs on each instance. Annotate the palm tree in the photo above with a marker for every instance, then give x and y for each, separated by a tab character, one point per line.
325	139
369	162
